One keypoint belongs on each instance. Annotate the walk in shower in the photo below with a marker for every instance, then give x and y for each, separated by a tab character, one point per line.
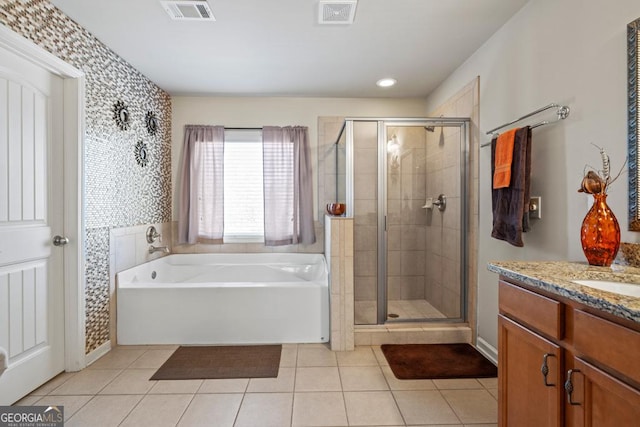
406	186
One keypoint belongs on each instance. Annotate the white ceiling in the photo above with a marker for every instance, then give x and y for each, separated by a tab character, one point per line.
277	48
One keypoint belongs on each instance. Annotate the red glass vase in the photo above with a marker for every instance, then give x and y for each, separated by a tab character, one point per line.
600	233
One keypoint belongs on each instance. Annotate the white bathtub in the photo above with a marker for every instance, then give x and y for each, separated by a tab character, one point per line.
224	299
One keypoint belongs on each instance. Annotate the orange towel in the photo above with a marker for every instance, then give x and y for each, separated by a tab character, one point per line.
504	156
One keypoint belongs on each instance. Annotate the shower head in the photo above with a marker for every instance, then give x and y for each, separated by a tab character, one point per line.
430	128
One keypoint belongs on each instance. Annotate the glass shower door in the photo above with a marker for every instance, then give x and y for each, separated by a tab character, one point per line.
365	221
424	223
409	247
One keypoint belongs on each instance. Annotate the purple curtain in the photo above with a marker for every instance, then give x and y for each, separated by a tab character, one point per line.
288	192
201	191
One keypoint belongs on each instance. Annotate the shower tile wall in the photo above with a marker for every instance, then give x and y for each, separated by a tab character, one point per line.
365	164
442	285
406	219
118	192
328	130
442	258
339	255
363	282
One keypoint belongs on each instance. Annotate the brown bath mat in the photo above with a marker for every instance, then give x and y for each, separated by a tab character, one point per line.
215	362
437	361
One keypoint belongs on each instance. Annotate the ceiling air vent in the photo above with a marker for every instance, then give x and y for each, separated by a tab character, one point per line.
337	11
186	10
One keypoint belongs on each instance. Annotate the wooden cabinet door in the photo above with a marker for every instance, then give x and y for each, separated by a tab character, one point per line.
526	397
600	400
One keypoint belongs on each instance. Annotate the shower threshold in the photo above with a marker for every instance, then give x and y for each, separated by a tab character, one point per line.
412	333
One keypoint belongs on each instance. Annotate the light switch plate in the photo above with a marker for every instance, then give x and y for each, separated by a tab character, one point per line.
535	207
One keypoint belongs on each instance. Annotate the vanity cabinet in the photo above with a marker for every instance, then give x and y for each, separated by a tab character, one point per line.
524	393
599	399
561	364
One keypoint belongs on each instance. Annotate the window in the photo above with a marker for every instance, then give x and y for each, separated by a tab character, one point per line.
243	187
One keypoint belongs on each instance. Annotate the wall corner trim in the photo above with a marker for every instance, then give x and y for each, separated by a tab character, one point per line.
98	353
487	350
24	47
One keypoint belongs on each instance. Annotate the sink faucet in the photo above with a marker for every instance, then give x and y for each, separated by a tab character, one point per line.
153	249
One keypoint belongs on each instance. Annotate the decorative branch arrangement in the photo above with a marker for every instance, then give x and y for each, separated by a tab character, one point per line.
597	181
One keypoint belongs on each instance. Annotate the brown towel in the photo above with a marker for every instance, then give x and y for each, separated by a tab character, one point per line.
510	204
503	158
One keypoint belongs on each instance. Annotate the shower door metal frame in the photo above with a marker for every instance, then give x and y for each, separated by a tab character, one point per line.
349	174
382	124
383	137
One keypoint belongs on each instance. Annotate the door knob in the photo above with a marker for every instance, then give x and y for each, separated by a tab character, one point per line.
60	241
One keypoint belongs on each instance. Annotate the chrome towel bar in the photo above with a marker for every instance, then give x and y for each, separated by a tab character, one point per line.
562	112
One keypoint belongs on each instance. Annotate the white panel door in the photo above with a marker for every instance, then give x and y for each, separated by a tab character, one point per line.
31	212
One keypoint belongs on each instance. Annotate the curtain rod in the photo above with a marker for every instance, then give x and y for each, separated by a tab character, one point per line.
562	112
241	128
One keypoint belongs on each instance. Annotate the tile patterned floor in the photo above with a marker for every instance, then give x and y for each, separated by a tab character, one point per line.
314	387
366	311
414	309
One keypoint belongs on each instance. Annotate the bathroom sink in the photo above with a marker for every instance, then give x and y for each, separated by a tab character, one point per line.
629	289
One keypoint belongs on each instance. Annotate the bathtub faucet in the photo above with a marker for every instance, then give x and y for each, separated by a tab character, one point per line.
153	249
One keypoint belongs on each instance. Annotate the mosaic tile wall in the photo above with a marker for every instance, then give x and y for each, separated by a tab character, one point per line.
118	192
97	296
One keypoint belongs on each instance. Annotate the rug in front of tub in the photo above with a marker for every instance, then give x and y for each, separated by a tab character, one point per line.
217	362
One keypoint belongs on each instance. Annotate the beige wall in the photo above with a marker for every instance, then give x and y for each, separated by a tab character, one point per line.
256	112
567	51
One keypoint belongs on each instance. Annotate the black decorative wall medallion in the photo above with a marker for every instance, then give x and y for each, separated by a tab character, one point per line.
151	120
142	155
121	115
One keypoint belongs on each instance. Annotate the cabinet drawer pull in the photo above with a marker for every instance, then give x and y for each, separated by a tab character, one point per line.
545	369
568	386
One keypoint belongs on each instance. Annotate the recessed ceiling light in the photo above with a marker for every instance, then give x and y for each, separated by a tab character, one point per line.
386	82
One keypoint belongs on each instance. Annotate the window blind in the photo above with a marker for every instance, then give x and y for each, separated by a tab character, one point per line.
243	187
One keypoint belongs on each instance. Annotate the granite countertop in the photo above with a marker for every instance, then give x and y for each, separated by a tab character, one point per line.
556	277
